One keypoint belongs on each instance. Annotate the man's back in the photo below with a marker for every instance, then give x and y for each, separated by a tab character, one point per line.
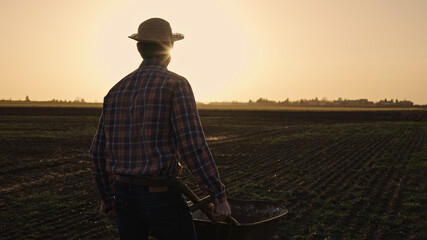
150	122
137	113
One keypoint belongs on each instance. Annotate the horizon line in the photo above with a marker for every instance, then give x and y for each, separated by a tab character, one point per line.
259	101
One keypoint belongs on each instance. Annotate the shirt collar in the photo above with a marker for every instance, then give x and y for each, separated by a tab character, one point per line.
154	62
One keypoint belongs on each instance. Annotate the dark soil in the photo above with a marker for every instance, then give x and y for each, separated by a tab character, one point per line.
341	175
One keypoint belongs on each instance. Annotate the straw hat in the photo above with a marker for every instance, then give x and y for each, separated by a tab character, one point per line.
156	30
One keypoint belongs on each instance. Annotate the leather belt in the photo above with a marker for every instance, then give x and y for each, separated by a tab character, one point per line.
145	180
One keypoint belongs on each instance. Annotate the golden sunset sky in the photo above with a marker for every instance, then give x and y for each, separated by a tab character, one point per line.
233	50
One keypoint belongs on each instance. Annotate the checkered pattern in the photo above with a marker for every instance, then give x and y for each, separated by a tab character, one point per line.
150	122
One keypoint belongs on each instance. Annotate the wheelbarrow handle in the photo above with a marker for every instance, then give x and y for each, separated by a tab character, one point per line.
202	204
192	196
232	221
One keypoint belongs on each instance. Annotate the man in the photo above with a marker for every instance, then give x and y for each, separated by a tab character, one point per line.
149	124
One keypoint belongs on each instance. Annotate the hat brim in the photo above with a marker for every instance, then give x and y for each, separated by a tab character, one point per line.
175	37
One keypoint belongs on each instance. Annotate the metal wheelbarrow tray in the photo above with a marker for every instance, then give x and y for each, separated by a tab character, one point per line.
255	220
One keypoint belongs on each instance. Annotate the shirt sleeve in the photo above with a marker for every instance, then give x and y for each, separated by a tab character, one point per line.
101	178
190	138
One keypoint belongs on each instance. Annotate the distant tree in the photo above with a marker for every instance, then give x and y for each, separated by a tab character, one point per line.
27	99
286	102
265	101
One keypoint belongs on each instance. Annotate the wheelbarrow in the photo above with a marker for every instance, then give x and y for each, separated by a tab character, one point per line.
250	220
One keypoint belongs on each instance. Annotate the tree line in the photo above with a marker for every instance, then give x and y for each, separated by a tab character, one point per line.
325	103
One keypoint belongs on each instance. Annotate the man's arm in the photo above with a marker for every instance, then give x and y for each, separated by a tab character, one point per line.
101	179
191	140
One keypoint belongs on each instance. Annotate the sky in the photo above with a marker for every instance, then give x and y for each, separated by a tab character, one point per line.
236	50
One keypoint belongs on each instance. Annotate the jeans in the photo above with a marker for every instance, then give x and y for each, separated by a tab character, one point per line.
163	214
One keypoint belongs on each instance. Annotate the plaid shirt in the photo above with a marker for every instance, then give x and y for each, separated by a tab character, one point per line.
150	122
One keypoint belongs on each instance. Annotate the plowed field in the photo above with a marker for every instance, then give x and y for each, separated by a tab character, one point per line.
341	175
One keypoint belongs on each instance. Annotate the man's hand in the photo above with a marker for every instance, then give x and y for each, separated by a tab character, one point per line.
221	210
107	210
